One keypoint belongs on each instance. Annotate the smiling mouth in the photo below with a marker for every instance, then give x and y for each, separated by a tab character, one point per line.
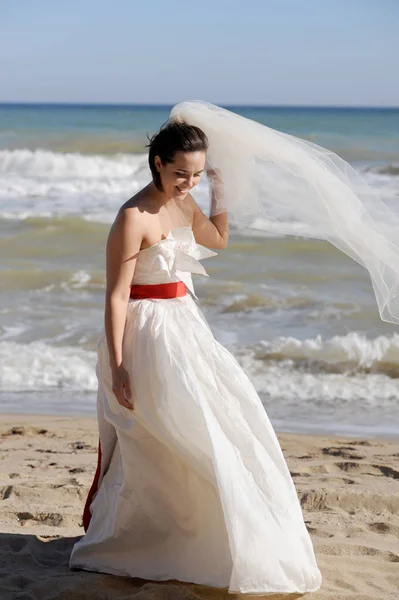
182	191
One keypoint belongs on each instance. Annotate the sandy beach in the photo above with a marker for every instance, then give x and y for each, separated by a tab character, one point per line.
348	488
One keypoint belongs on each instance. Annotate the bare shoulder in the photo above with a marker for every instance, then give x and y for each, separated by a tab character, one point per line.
133	217
143	201
128	218
126	233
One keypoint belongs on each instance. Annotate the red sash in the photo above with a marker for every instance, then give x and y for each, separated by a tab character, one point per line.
171	289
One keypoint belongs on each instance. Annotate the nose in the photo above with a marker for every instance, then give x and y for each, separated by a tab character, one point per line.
190	181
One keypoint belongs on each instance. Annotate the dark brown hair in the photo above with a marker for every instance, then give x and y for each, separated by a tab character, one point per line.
171	138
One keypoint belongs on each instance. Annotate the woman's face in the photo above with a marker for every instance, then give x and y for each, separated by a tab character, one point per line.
181	175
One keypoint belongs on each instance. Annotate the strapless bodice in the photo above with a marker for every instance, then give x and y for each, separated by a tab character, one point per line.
174	258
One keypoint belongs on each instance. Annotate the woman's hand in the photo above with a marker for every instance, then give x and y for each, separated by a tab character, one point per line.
214	175
121	387
215	179
218	205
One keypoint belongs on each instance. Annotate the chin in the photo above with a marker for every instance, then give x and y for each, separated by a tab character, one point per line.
178	194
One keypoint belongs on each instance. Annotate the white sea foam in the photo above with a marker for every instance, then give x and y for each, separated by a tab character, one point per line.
52	165
42	183
39	366
279	382
55	378
80	279
276	365
45	184
347	374
353	350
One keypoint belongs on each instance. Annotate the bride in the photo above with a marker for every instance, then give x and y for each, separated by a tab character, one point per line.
191	482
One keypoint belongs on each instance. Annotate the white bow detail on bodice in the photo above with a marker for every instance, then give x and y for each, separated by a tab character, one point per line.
178	255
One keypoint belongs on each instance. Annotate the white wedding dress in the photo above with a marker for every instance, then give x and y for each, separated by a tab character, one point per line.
193	484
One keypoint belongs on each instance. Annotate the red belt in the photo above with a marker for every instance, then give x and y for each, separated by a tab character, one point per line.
172	289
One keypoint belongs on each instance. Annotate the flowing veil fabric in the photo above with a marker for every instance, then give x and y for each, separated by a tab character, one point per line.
277	182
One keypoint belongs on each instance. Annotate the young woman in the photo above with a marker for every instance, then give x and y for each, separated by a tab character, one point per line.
191	482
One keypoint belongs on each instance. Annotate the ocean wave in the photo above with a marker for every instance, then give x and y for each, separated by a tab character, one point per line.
390	169
42	183
287	391
253	302
47	164
38	365
350	354
293	393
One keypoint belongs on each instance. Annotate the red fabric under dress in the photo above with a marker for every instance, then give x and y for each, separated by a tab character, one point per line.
137	292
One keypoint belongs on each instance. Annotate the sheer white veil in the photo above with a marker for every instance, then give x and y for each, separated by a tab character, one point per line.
281	183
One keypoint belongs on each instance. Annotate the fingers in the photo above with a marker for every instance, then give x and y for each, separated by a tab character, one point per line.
121	387
128	391
127	399
126	404
121	394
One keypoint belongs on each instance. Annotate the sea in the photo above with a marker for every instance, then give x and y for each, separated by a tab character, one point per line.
298	314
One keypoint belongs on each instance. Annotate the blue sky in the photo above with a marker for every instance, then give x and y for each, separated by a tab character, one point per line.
289	52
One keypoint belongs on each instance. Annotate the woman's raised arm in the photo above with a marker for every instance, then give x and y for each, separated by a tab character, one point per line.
213	231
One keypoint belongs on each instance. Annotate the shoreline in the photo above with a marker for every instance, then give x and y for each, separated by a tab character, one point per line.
348	489
25	400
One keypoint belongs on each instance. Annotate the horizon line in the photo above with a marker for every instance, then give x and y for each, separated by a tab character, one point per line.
223	105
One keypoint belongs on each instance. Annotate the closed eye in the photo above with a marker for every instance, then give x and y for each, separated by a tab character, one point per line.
184	174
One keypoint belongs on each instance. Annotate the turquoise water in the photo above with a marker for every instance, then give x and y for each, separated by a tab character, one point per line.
299	315
356	134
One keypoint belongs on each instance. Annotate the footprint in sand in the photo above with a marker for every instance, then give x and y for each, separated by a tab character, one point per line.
17	543
299	474
359	443
348	466
19	581
358	550
52	519
25	431
387	471
313	500
6	492
344	452
384	528
80	446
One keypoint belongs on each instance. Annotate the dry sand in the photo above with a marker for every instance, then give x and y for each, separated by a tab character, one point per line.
348	488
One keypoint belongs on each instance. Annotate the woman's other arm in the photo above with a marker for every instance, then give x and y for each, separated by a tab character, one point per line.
123	245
